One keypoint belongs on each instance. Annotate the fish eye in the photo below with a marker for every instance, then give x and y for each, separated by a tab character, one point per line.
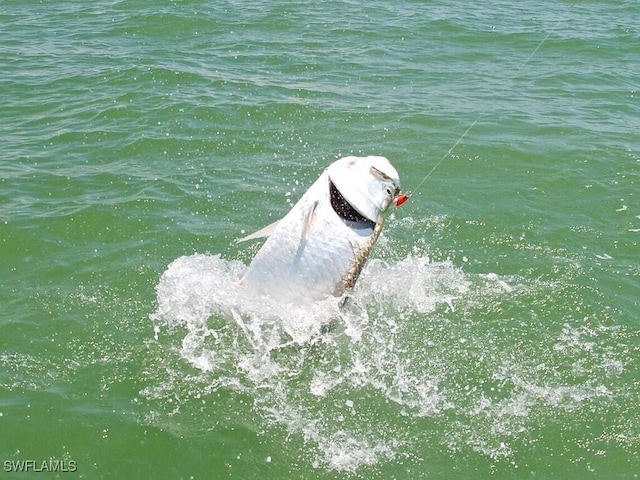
388	191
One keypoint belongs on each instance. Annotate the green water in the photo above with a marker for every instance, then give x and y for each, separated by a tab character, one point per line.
494	332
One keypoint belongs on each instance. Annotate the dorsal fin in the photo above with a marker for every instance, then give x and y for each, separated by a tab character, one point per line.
263	232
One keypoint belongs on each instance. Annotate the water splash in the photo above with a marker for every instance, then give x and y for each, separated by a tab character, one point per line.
421	353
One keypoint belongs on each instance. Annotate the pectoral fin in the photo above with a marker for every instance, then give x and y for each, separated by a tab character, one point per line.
308	220
307	224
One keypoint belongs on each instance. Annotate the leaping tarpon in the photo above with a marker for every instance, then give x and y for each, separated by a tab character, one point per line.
320	247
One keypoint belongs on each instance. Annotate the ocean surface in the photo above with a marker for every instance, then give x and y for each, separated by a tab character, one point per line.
495	331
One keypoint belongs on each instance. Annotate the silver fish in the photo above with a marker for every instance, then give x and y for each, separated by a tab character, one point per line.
319	248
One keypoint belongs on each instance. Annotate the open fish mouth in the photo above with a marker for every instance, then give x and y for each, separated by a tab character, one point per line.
347	212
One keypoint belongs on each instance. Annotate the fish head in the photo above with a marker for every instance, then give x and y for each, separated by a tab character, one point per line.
370	184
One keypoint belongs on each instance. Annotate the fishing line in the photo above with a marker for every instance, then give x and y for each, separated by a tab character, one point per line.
447	154
457	142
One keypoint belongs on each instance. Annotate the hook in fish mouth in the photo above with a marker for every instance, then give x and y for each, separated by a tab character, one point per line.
400	198
346	211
